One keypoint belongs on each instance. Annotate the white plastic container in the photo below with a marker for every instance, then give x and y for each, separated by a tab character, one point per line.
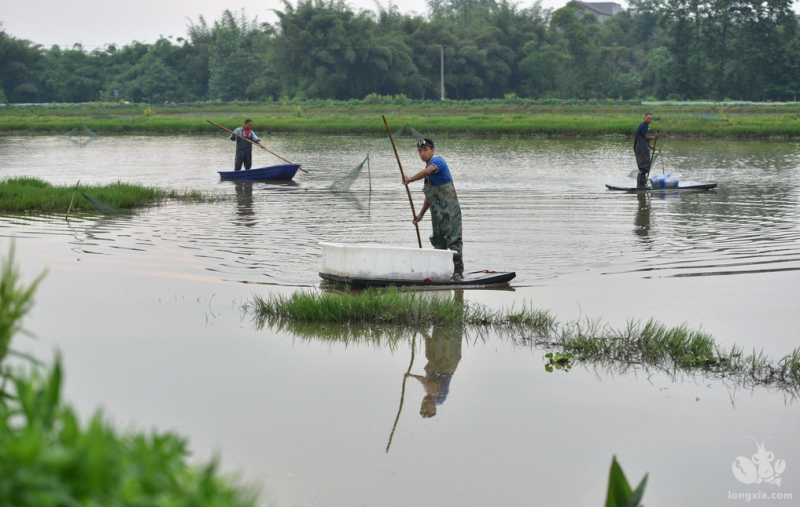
386	262
665	180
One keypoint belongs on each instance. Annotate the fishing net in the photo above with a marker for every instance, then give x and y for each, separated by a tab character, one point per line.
104	208
406	130
404	133
80	132
343	184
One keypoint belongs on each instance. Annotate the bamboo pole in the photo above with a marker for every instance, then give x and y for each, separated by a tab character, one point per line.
402	175
254	144
73	199
652	155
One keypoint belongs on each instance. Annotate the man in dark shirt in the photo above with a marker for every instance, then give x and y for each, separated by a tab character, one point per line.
642	149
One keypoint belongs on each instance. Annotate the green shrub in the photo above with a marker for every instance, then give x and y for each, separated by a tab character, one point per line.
49	459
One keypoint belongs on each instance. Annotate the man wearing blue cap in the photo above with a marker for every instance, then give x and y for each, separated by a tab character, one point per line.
441	198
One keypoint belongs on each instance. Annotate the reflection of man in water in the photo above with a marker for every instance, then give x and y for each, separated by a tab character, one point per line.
443	351
244	201
642	221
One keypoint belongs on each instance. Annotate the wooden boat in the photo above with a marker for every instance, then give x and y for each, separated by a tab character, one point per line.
273	172
364	265
682	185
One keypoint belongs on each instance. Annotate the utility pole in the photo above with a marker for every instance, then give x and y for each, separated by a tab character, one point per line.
441	47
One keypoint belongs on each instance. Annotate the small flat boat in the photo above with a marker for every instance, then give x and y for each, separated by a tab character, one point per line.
365	265
682	185
273	172
473	279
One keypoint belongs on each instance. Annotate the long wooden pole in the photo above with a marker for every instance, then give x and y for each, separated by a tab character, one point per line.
254	144
402	175
653	155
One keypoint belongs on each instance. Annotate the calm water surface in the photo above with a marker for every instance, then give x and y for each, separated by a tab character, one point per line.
147	312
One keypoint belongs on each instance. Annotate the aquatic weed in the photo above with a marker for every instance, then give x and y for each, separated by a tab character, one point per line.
375	312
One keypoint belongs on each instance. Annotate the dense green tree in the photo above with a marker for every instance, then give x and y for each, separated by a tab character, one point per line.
20	62
325	49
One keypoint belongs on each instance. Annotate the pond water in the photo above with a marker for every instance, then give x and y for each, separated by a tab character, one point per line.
147	312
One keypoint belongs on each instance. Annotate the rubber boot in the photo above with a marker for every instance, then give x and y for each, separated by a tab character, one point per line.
641	180
458	270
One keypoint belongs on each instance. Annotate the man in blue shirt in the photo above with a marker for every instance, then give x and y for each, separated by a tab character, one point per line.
441	198
244	150
642	150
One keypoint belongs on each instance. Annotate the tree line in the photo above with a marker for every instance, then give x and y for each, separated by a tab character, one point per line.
324	49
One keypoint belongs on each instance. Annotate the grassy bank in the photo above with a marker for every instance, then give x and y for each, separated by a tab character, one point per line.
449	118
648	345
24	194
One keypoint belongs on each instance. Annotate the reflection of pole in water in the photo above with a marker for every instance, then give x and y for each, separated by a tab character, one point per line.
402	393
369	174
369	201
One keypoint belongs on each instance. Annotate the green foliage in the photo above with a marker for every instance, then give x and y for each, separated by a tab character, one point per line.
16	300
558	361
619	491
319	49
49	459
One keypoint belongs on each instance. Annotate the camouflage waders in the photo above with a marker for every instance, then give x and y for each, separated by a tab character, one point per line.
641	147
446	220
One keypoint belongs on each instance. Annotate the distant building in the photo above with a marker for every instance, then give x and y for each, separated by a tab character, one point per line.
603	10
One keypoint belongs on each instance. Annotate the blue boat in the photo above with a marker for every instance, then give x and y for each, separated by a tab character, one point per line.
273	172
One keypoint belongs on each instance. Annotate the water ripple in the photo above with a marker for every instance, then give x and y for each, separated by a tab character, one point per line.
538	208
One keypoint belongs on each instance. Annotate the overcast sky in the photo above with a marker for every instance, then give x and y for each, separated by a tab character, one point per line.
96	23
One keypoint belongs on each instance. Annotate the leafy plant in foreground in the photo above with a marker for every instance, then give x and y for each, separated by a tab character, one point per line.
619	491
49	459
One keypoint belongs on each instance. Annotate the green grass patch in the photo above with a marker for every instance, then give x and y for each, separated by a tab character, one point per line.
391	306
383	317
523	118
26	194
